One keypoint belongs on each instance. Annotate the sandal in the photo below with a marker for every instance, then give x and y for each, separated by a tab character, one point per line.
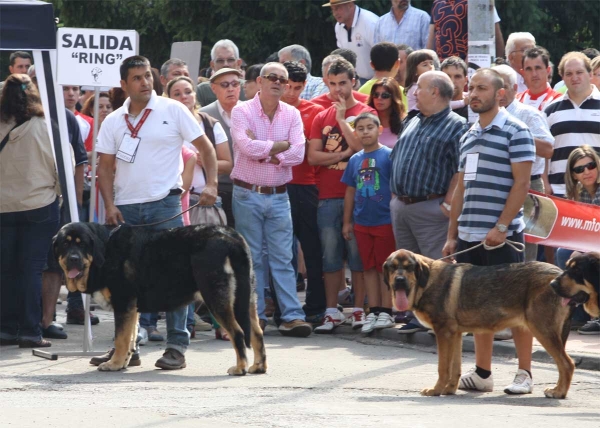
221	334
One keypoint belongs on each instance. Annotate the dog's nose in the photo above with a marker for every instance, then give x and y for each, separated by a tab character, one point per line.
74	258
400	280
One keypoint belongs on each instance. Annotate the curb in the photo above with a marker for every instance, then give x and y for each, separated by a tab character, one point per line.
504	349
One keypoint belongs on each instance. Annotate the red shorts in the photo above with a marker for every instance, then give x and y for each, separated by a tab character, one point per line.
375	244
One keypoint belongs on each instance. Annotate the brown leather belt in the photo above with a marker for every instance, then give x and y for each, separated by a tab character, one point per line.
414	199
263	190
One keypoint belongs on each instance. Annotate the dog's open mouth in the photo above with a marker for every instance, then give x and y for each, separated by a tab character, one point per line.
400	300
74	273
577	299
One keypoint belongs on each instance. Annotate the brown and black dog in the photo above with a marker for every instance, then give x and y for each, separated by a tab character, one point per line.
581	280
134	270
457	298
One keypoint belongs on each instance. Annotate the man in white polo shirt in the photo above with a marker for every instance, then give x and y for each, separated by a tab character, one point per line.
355	30
141	163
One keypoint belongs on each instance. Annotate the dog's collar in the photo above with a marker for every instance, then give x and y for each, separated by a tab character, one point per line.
114	230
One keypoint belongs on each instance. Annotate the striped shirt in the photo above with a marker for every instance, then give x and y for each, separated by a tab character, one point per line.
315	86
250	155
538	126
413	28
504	141
427	153
572	126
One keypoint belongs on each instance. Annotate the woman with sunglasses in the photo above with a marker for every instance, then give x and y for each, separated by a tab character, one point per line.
583	185
183	90
386	98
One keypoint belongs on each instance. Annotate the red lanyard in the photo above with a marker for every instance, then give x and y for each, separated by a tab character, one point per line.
134	131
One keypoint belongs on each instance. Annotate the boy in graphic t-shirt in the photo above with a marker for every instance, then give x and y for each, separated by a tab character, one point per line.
367	205
332	142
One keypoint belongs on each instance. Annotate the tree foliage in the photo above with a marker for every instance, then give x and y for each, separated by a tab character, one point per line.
261	27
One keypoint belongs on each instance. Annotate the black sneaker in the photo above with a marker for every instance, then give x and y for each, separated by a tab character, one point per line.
410	328
133	362
592	327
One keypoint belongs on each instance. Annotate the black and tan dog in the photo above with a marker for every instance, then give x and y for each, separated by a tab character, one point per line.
137	270
581	278
456	298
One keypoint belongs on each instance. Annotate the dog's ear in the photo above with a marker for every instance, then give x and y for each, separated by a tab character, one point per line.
592	273
421	272
386	273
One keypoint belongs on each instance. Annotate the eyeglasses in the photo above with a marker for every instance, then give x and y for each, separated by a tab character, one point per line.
233	84
579	169
225	61
274	78
382	95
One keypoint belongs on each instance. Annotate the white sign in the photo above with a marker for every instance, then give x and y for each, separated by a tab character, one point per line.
92	57
190	53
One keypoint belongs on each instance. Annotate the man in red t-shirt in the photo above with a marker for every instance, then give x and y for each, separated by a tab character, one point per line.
536	66
326	100
332	142
304	196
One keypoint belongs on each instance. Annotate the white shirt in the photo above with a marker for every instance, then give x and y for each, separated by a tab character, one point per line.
538	126
361	40
226	116
158	164
199	181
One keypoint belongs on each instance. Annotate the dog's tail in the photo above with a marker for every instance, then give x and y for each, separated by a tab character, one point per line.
244	277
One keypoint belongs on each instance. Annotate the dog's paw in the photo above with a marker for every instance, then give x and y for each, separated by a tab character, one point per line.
257	369
449	390
554	393
430	392
236	371
110	366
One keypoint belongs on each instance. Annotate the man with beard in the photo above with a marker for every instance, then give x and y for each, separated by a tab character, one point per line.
332	142
496	156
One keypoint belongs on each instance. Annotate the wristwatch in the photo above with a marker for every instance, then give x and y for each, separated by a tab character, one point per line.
502	228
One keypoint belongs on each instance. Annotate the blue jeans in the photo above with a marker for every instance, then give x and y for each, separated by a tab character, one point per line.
268	218
26	237
178	337
330	218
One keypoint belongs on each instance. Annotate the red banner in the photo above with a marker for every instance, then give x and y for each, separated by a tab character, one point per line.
558	222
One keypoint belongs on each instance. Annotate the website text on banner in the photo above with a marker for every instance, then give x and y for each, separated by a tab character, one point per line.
557	222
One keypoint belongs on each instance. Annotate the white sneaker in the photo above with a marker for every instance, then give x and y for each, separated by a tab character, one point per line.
200	324
142	338
505	334
330	322
522	384
472	381
384	320
369	324
358	319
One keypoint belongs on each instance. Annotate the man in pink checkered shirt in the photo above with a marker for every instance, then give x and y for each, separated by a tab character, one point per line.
268	139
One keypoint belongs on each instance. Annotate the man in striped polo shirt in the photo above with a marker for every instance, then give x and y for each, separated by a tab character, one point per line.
496	156
574	119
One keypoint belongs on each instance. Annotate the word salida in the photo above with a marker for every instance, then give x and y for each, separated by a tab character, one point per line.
91	42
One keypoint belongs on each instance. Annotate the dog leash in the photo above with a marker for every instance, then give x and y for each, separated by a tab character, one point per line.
197	204
517	246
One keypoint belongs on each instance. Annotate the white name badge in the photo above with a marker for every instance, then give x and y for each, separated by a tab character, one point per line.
471	164
128	148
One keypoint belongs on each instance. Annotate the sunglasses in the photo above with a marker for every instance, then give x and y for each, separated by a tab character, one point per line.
233	84
579	169
383	95
274	78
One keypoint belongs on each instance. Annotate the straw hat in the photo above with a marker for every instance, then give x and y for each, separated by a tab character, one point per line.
337	2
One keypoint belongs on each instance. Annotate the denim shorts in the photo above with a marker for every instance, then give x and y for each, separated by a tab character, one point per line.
330	218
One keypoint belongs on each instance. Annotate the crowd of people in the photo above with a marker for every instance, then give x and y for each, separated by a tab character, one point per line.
393	147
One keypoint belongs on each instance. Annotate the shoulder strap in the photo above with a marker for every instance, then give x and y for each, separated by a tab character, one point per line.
5	139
